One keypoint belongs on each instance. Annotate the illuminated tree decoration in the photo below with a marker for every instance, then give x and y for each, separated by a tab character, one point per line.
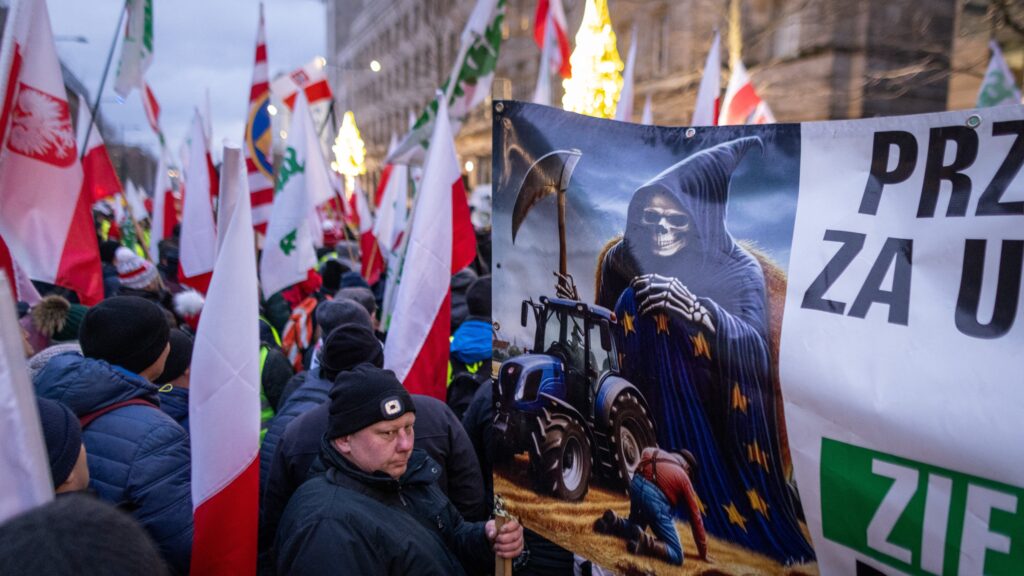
349	151
596	81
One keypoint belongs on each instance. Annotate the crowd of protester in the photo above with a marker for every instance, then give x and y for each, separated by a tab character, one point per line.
356	475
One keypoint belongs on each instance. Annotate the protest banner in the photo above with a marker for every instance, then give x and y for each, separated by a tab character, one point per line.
694	322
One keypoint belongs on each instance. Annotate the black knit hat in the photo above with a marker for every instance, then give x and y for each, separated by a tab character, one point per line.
478	297
348	346
76	534
63	436
179	358
127	331
333	313
363	396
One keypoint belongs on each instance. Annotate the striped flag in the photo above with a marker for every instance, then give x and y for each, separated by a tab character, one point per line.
311	79
551	12
224	399
441	242
25	480
198	249
705	111
99	179
137	48
741	104
259	137
48	228
152	108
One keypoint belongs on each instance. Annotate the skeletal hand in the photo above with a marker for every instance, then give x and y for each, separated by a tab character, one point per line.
657	293
566	287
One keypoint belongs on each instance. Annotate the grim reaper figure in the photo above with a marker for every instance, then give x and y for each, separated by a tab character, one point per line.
694	333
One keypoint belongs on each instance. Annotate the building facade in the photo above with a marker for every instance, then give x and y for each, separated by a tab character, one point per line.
809	59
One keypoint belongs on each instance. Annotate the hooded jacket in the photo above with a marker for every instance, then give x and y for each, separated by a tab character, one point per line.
347	521
139	457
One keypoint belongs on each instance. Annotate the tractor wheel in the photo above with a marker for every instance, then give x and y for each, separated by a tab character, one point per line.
562	467
631	431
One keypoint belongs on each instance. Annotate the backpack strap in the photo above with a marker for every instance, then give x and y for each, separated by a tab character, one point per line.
91	417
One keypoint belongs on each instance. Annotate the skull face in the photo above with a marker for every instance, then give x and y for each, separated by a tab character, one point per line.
668	225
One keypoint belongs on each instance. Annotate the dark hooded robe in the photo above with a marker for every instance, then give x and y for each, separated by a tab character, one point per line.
710	392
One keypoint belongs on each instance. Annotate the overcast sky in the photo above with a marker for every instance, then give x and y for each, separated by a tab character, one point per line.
199	45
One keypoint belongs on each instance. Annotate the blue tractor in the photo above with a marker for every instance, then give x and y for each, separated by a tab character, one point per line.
566	404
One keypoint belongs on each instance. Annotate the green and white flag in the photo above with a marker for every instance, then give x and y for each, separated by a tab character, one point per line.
137	49
472	73
998	88
302	183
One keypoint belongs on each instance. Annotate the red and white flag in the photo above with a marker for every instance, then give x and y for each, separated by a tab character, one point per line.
165	217
25	480
624	109
441	242
48	228
551	12
99	179
152	108
198	243
705	111
311	79
372	261
259	136
389	222
741	104
224	400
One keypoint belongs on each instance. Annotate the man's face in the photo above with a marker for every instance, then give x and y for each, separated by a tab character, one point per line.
667	223
384	446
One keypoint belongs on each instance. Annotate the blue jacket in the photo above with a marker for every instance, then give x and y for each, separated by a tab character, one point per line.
138	456
313	392
174	403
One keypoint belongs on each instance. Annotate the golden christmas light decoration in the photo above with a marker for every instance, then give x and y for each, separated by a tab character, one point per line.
349	151
596	81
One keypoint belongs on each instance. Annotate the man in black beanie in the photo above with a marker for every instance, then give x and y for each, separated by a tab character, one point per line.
176	376
129	332
378	510
63	436
138	456
469	360
77	534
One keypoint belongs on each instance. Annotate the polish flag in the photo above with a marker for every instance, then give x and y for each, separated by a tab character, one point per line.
705	112
99	180
311	79
441	242
551	11
46	219
259	136
164	215
224	399
391	212
741	104
372	261
152	108
25	480
198	247
624	109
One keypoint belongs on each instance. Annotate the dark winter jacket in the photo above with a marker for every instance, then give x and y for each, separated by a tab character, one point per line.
111	282
312	393
138	456
346	521
174	403
437	432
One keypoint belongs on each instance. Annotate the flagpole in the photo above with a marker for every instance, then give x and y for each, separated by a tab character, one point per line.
103	79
